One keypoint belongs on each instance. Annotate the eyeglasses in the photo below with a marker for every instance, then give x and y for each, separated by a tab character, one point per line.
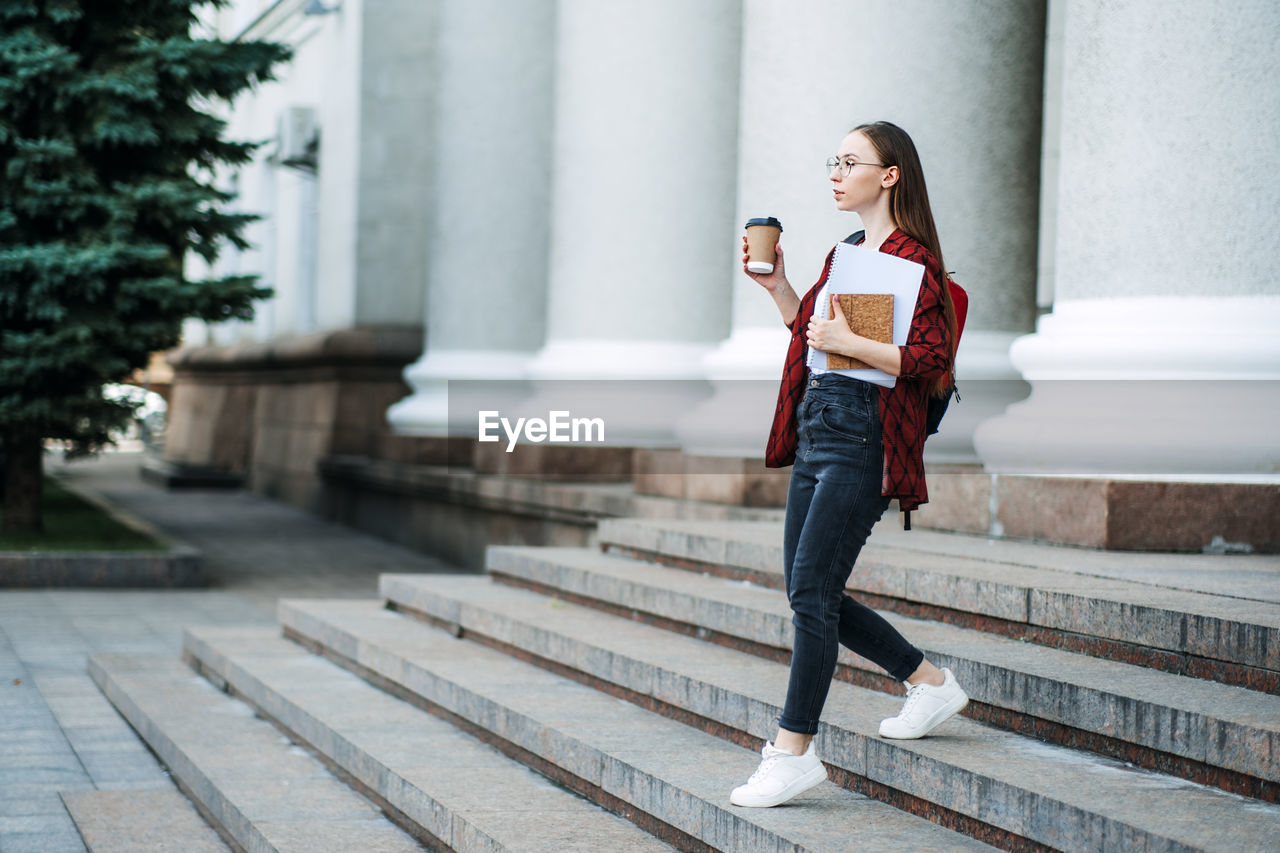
846	166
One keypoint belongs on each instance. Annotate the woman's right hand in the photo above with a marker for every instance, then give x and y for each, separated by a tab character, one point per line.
774	282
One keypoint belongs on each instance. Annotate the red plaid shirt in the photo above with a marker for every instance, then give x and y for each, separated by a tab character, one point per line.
902	407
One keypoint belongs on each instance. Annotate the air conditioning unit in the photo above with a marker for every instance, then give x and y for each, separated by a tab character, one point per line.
298	138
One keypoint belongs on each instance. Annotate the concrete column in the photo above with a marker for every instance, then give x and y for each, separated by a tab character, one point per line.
1161	358
397	117
292	248
486	267
334	80
964	79
643	207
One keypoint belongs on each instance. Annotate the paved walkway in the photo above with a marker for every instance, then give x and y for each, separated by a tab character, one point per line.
57	733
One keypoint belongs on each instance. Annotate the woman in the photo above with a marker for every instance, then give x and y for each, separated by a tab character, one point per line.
855	446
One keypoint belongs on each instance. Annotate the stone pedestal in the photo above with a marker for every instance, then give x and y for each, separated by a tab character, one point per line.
271	412
1155	387
959	500
988	383
711	479
551	462
744	372
1100	512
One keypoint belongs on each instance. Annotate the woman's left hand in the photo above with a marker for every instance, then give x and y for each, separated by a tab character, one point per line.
832	335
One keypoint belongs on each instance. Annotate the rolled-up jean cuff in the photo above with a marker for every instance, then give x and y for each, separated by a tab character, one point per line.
799	728
900	673
909	665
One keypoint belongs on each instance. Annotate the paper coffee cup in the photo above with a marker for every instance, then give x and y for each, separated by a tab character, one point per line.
762	244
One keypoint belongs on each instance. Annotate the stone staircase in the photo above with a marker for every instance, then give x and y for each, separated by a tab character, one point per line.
608	699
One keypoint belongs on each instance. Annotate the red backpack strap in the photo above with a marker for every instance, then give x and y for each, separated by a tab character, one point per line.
960	300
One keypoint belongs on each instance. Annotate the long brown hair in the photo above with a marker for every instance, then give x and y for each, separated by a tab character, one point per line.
909	206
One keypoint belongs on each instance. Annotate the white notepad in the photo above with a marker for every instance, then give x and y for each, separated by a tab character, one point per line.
858	270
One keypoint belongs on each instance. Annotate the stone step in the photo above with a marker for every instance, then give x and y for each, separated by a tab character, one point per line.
1189	632
134	820
247	780
464	794
1212	733
609	750
1052	795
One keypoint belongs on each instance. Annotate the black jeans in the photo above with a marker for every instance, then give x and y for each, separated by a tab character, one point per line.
833	502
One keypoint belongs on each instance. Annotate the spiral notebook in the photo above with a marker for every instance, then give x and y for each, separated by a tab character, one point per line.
860	272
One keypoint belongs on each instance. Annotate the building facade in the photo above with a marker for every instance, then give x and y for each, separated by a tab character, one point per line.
553	191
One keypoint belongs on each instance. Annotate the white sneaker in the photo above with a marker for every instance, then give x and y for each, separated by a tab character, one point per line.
779	777
927	708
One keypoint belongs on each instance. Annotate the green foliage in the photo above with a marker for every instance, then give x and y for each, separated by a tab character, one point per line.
73	524
107	152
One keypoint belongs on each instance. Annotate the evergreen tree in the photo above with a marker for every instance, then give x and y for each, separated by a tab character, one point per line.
107	159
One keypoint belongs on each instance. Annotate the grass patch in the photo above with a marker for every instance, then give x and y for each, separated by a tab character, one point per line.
73	524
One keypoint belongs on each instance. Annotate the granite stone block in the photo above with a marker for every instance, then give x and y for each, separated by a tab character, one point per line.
627	532
1256	643
694	546
732	480
1067	510
1082	613
975	595
959	500
755	556
659	473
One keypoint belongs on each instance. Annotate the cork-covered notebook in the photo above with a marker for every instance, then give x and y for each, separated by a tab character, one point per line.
869	315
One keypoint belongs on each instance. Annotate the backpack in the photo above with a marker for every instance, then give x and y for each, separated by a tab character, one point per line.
960	300
937	405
